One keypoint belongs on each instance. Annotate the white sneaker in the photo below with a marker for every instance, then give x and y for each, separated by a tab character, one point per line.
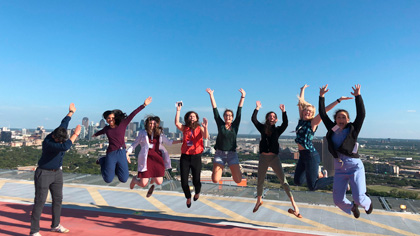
35	234
60	229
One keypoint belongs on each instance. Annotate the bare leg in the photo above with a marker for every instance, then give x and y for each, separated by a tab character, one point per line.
236	173
217	172
157	180
143	182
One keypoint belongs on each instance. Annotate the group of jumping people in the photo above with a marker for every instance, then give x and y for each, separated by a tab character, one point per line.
153	158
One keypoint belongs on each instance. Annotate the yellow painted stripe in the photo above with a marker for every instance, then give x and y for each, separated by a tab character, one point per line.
96	196
158	204
387	227
2	182
303	219
226	211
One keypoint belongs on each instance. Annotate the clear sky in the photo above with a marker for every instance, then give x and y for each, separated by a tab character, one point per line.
104	55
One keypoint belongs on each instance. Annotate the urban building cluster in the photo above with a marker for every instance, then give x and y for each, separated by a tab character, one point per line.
246	146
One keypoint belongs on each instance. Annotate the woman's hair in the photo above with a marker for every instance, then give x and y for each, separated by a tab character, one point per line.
190	124
228	110
118	115
305	105
267	123
60	134
341	110
157	130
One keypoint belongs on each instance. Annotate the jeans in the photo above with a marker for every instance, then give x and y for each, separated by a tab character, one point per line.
229	157
274	162
113	163
350	171
193	163
308	166
47	180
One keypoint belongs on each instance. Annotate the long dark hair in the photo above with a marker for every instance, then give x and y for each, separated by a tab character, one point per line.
267	125
188	123
118	115
157	130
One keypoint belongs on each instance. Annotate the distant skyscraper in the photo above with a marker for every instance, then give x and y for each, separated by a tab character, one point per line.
181	120
91	131
142	125
6	136
166	131
82	132
85	122
327	158
136	125
23	131
102	124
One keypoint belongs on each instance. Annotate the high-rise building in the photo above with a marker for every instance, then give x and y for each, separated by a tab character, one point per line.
166	131
82	132
136	125
142	125
85	122
102	124
91	131
327	158
6	136
181	120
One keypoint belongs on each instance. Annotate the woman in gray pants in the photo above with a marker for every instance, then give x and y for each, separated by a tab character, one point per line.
269	150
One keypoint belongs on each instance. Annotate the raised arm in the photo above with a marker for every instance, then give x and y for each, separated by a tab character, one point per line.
76	133
322	113
254	119
72	110
177	123
213	102
134	113
360	107
241	101
302	101
204	129
65	121
285	122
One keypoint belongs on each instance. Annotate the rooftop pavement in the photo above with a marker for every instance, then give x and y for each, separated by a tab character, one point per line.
219	205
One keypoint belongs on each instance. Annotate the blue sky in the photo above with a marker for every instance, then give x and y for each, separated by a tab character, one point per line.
113	54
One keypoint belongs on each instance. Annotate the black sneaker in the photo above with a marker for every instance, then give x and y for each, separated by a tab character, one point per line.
355	210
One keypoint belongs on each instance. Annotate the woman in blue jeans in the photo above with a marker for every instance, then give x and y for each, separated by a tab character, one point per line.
307	167
342	144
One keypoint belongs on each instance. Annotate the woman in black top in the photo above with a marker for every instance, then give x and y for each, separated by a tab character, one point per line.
269	150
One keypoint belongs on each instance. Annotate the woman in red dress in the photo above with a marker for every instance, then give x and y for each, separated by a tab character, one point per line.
153	158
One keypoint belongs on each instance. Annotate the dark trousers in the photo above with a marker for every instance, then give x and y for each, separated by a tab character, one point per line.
307	169
193	163
47	180
113	163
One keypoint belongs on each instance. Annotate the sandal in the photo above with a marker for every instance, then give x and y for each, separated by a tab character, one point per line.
257	207
291	211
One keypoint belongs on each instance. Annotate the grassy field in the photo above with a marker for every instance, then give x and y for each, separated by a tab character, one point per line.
381	188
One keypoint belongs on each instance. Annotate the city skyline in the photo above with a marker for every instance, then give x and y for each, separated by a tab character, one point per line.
113	55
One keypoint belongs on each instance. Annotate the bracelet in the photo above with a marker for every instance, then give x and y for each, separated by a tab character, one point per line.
338	100
71	111
242	97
